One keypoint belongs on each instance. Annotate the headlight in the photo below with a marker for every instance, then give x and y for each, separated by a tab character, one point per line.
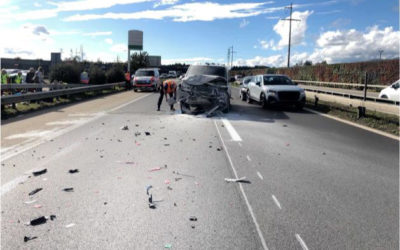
271	92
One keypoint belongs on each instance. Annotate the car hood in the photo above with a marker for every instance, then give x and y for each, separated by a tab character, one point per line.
205	79
283	88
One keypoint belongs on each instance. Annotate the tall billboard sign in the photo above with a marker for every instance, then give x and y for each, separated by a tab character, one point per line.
135	42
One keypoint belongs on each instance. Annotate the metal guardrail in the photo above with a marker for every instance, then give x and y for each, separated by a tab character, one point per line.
341	84
55	93
14	86
352	96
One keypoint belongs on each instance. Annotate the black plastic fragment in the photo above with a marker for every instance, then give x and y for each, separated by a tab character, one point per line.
147	133
52	217
68	189
193	218
40	172
27	238
73	171
38	221
35	191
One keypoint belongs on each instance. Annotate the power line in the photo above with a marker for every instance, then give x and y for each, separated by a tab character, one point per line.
290	30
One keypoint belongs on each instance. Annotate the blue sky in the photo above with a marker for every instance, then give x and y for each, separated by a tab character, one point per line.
194	31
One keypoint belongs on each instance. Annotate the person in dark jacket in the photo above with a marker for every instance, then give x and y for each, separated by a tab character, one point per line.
30	75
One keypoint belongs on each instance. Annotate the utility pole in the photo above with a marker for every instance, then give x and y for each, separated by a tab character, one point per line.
290	30
229	57
232	51
380	54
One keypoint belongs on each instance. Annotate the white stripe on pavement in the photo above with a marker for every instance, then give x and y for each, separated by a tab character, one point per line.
248	158
259	175
263	243
234	135
276	202
301	241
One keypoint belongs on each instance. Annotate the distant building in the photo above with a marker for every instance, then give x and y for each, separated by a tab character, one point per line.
18	63
154	61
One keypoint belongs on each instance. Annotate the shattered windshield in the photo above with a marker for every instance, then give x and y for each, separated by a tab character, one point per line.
206	70
277	80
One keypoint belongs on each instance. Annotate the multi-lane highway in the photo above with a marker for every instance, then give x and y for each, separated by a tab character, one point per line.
315	183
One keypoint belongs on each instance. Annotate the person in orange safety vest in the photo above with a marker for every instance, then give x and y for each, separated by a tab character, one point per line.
168	88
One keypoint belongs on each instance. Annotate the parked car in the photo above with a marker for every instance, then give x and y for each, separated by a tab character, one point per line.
146	79
275	90
244	87
391	92
164	76
205	89
172	74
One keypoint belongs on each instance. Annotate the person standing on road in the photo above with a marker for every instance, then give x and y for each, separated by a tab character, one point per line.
168	88
30	75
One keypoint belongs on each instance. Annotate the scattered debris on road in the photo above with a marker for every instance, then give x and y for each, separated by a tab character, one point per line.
70	225
73	171
39	172
147	133
38	221
148	188
154	169
30	202
137	134
68	189
167	182
37	206
168	246
219	149
124	127
193	218
27	238
35	191
284	125
243	180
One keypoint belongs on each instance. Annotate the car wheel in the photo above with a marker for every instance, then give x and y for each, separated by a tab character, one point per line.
248	99
135	90
263	102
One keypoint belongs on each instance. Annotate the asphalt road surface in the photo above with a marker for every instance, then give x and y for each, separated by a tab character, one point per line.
315	183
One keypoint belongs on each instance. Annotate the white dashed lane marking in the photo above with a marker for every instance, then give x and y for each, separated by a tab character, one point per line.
248	158
259	175
301	241
276	202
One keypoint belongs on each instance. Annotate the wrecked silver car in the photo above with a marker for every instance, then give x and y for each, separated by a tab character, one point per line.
204	89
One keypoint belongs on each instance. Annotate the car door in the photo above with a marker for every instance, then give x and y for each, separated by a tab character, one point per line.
252	86
395	91
257	88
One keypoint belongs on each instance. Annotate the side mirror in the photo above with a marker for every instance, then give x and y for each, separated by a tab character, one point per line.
258	83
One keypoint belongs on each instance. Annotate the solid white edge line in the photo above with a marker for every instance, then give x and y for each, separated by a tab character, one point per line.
264	244
278	204
355	124
301	241
23	148
259	175
232	131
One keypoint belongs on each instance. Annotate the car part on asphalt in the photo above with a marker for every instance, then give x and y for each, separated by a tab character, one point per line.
193	218
39	172
148	188
242	179
68	189
73	171
124	127
27	238
70	225
147	133
38	221
30	202
35	191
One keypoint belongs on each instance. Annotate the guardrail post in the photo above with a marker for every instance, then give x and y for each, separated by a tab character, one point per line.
360	112
365	86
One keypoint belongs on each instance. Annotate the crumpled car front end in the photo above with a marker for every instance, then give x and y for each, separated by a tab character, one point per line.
204	94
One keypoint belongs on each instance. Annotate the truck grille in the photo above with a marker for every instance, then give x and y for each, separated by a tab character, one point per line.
288	95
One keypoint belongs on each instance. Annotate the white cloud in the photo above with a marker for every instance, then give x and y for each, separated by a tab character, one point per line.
268	44
298	29
65	6
243	23
352	45
194	60
108	40
36	4
165	2
98	33
197	11
119	48
339	46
